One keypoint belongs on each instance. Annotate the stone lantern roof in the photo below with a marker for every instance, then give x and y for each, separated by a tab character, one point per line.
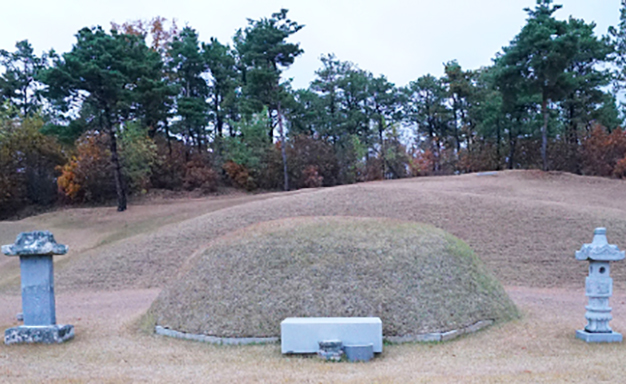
34	243
600	249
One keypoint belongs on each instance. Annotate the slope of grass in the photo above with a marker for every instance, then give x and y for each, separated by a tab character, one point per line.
415	277
525	226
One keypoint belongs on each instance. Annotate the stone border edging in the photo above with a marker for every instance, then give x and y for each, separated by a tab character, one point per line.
424	337
159	330
440	336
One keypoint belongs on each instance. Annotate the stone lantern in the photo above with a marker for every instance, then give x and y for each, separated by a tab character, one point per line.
598	288
35	250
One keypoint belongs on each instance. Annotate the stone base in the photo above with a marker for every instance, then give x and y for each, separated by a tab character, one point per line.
330	350
359	352
608	337
47	334
330	355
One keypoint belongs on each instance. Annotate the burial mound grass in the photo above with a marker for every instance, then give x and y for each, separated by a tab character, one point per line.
415	277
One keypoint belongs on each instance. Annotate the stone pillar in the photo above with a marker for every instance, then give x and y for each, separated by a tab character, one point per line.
599	288
35	250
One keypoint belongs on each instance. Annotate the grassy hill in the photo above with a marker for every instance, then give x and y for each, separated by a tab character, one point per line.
524	225
415	277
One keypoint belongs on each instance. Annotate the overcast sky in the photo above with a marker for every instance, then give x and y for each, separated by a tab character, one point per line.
402	39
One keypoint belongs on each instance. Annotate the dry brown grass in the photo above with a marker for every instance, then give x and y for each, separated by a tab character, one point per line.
539	348
525	226
415	277
90	231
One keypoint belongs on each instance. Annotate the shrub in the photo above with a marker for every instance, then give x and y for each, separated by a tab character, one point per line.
620	169
311	176
88	176
311	162
270	172
27	164
528	154
138	155
350	152
199	175
68	181
373	169
176	166
482	157
602	151
421	162
251	160
168	169
564	156
396	156
239	175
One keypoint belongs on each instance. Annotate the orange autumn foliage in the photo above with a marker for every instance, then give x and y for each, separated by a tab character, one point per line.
620	169
154	29
604	154
239	175
312	178
88	174
421	162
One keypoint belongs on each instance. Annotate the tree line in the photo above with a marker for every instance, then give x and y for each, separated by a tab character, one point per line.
149	105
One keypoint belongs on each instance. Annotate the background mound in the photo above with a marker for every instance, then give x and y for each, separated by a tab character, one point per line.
525	225
415	277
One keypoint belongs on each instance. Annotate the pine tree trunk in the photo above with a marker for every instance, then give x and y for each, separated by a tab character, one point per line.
457	143
283	152
512	145
498	140
544	133
169	139
271	124
218	115
382	148
117	172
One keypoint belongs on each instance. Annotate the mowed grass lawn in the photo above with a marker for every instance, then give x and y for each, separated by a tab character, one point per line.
525	226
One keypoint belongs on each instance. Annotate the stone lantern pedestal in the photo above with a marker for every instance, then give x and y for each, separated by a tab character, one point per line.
35	250
599	288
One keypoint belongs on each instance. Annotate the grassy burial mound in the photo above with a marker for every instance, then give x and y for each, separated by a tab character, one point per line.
415	277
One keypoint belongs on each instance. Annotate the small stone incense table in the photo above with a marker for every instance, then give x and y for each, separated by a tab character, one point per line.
35	250
598	288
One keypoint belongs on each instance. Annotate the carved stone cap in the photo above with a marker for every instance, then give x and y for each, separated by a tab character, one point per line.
34	243
600	249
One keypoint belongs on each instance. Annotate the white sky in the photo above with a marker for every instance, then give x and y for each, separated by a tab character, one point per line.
402	39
